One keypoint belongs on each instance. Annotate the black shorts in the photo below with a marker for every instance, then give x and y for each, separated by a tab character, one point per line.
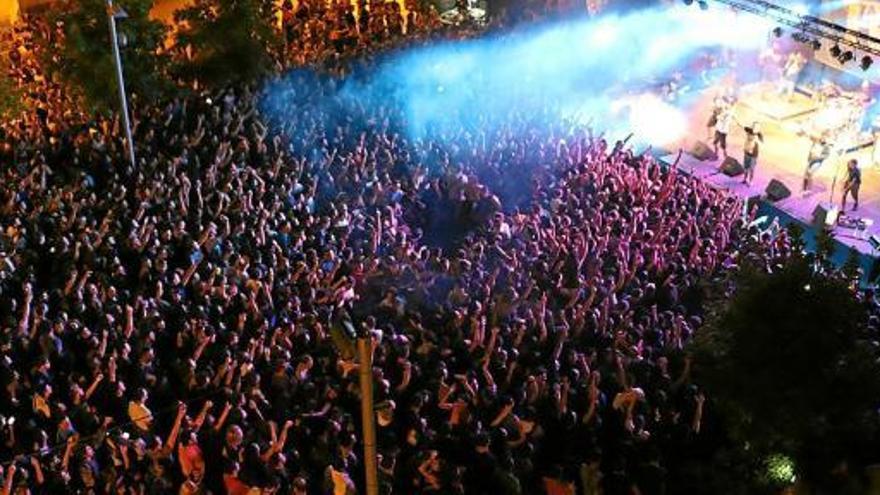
720	140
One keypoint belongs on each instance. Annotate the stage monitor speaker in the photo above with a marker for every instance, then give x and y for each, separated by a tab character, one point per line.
731	167
776	191
701	151
824	216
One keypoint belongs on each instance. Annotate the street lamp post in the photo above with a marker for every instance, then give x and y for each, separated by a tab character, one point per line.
368	415
113	14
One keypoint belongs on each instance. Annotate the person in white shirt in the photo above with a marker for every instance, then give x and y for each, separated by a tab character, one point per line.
820	150
875	150
790	71
722	128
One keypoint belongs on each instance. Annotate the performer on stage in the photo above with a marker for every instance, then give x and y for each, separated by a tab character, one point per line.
722	128
875	149
717	105
769	59
754	140
820	150
851	184
790	71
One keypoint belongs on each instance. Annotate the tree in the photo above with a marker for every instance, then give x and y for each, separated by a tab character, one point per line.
10	97
88	57
796	235
825	244
229	40
789	366
852	267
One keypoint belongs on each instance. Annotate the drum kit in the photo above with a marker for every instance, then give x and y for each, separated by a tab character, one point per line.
839	116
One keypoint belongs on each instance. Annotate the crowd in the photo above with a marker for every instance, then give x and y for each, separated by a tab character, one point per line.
316	32
529	289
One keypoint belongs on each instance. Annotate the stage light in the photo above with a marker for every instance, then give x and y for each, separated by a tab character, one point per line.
866	62
777	31
835	51
704	5
845	57
688	2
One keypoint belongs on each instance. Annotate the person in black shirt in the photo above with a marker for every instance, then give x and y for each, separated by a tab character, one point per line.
851	184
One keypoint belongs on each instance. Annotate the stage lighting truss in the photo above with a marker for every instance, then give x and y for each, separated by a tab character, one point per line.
811	27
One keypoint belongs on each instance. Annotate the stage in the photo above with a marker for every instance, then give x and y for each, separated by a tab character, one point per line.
783	157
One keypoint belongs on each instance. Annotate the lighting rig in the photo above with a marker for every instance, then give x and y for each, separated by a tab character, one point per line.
813	31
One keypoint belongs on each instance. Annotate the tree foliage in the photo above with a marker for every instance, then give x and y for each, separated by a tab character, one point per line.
10	97
796	237
87	60
852	266
790	366
229	40
825	244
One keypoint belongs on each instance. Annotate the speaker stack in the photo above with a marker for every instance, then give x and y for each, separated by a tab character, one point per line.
701	151
731	167
777	191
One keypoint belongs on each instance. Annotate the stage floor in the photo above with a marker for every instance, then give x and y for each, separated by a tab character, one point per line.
783	157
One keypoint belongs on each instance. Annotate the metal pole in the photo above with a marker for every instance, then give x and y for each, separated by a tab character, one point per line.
368	417
114	40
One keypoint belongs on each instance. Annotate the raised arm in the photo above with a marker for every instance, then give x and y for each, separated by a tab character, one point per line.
10	475
223	415
697	422
200	419
171	441
278	445
94	386
38	470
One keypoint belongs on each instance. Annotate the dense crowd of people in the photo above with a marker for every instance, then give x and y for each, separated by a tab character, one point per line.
529	289
315	31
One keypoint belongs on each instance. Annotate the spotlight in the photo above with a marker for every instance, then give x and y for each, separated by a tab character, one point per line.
777	31
866	62
688	2
703	4
816	44
845	57
835	51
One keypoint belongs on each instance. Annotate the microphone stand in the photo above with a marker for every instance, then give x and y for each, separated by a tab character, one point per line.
834	185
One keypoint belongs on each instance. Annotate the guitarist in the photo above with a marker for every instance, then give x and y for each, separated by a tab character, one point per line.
851	184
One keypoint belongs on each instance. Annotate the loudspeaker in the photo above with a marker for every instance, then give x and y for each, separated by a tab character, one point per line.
824	216
701	151
776	191
731	167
